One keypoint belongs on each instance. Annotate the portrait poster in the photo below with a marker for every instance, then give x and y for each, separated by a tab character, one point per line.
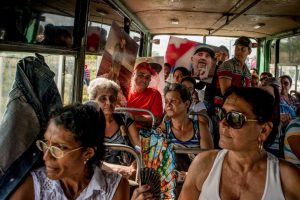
118	58
157	62
181	53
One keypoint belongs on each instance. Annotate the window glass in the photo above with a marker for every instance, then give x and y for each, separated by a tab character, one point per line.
62	66
289	50
272	52
96	37
92	63
31	22
55	30
136	36
293	72
160	50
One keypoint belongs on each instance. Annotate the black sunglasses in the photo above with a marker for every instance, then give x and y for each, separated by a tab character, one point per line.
234	119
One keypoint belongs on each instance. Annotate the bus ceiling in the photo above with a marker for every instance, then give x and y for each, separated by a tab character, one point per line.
252	18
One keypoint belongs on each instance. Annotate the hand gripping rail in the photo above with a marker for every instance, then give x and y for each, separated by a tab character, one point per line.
125	109
122	147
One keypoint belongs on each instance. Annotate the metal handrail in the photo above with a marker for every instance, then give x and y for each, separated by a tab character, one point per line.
124	109
122	147
186	150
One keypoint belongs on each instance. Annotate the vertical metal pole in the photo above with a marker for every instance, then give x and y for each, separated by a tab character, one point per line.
142	40
127	25
277	57
79	44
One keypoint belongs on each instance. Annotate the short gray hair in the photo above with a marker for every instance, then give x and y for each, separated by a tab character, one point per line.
99	85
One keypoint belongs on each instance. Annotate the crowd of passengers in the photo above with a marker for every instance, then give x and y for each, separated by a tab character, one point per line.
248	125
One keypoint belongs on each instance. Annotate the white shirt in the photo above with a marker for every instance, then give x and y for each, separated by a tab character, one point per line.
272	191
195	108
102	186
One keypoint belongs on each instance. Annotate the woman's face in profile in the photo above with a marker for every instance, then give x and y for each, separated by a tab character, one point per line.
71	163
242	138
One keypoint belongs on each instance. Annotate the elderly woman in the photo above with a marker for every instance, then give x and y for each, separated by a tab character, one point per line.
118	125
243	169
143	97
73	148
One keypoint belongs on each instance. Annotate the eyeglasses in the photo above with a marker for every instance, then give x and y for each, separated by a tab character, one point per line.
142	75
234	119
285	83
56	152
104	98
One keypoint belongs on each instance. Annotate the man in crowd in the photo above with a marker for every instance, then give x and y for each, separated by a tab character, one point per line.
234	72
202	63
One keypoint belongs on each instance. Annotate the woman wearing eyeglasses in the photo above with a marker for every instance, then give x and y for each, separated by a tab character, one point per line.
73	149
119	129
243	169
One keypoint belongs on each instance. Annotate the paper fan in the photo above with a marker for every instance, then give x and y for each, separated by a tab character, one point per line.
159	160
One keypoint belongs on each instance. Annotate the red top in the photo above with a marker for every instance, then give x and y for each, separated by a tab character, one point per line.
149	99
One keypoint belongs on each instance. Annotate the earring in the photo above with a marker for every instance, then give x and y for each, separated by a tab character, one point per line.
260	146
84	162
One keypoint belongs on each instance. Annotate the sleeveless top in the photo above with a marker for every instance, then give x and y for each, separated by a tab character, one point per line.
273	190
103	185
183	161
194	142
119	157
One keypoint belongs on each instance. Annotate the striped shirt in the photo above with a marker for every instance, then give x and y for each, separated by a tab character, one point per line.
230	69
293	129
183	161
194	142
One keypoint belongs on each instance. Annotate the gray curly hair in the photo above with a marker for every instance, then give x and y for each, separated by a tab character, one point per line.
99	85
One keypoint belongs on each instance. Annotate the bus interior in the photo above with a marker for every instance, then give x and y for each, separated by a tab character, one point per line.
272	25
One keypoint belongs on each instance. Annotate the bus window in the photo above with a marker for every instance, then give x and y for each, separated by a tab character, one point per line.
62	66
92	63
289	59
54	30
160	50
96	37
289	49
32	22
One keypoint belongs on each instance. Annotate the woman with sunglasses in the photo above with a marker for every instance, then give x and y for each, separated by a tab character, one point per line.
243	169
73	149
286	84
118	126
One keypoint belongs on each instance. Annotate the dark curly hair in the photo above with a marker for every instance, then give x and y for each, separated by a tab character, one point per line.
87	124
